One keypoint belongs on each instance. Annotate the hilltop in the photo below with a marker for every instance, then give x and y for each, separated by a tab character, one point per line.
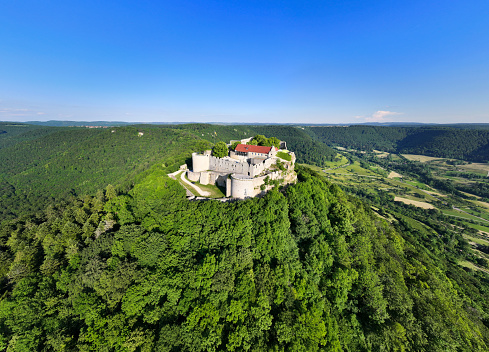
135	266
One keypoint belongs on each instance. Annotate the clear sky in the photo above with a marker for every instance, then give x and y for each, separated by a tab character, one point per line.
245	61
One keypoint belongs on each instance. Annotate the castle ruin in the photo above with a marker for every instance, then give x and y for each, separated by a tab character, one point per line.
245	172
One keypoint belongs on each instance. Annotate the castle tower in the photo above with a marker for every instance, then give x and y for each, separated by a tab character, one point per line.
200	162
241	186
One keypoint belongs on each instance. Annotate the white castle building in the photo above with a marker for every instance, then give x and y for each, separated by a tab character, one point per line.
245	172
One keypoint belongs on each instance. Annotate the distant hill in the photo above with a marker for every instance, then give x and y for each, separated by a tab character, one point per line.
449	142
60	123
46	163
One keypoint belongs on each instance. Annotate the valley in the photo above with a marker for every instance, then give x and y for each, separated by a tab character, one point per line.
372	176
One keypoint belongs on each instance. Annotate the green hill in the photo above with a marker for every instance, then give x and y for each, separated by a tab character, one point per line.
138	267
307	269
63	161
447	142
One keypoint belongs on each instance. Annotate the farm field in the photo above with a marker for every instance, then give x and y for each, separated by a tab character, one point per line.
391	183
477	168
416	203
339	161
420	158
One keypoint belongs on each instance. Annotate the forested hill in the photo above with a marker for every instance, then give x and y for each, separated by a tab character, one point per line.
41	164
447	142
12	133
307	149
48	163
138	267
306	269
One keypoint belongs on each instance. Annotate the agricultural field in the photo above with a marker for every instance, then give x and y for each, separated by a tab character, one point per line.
477	168
420	158
417	184
339	161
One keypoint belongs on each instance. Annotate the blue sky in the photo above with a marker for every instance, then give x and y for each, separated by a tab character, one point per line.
245	61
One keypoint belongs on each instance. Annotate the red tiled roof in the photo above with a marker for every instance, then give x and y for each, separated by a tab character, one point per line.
244	148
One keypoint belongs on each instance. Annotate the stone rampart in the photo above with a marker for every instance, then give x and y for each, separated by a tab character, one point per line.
229	165
193	176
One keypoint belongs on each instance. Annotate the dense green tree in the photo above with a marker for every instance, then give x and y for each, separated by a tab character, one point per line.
220	150
234	145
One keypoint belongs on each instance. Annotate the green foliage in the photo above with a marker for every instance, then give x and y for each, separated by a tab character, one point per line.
285	156
447	142
65	162
309	269
220	150
234	145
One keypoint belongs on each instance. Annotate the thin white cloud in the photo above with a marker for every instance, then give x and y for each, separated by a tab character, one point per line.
19	113
382	116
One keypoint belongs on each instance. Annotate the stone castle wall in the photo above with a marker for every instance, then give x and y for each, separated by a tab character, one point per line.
208	162
244	181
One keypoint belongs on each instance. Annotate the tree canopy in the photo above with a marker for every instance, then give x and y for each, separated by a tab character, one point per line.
305	269
220	150
135	266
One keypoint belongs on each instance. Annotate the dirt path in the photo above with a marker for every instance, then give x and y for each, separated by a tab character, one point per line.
199	191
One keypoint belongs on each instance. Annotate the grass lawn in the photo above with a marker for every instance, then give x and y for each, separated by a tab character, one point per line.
420	158
477	240
417	184
471	265
285	156
481	214
476	168
214	190
355	168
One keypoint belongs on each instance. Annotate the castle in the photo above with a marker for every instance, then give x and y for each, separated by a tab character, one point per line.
247	171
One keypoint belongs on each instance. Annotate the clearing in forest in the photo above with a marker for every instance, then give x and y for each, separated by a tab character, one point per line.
416	203
477	168
393	174
381	154
420	158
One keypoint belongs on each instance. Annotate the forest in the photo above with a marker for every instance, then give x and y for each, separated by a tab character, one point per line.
45	164
470	144
124	262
